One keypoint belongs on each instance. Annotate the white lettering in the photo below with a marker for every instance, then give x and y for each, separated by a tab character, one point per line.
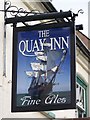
22	43
27	47
27	100
42	44
43	33
64	41
54	99
36	46
49	99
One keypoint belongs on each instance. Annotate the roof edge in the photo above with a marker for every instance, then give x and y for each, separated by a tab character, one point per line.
83	48
83	34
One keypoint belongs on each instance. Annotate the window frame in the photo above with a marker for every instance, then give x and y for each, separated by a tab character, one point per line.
80	82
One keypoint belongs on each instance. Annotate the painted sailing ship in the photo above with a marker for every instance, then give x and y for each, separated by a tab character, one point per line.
44	70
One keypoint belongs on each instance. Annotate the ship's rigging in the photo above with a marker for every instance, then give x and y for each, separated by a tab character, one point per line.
44	71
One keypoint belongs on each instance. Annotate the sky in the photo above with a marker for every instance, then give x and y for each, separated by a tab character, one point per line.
74	6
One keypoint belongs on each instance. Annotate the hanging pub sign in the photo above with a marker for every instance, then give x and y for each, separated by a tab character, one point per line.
43	68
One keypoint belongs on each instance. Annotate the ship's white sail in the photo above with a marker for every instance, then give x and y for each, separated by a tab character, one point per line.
35	66
38	67
47	44
39	53
32	73
54	69
42	58
29	73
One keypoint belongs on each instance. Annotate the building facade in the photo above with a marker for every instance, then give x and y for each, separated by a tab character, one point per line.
82	67
83	76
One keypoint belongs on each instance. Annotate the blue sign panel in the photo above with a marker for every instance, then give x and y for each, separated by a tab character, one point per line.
43	71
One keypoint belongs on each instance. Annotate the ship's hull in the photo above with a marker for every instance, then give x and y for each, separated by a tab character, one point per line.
41	91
